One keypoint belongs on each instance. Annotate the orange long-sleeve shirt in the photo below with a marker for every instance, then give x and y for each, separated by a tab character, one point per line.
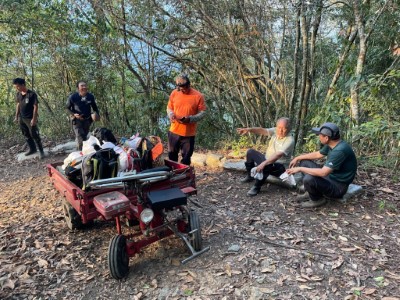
184	105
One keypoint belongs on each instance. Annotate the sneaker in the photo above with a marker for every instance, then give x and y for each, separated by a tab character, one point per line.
246	179
253	191
312	204
303	197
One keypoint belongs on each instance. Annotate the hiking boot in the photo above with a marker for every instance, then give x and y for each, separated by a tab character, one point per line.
32	147
312	204
303	197
253	191
30	152
246	179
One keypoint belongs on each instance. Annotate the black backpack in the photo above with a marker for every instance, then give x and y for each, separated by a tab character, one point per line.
102	164
104	135
74	175
144	150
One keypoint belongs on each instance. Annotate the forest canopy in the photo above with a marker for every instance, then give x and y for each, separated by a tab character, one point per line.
254	60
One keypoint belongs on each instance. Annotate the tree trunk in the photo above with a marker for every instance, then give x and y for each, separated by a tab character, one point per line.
304	73
350	40
354	102
295	63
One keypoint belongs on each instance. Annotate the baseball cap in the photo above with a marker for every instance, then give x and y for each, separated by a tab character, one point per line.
328	129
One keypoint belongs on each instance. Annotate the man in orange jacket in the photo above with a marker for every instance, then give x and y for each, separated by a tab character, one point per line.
186	106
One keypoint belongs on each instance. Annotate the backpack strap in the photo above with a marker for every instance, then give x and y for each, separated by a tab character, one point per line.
96	172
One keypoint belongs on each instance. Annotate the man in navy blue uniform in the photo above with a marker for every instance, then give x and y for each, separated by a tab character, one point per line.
26	114
79	106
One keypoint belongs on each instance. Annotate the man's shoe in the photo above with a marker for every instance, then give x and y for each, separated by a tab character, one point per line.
30	152
253	191
303	197
41	155
312	204
246	179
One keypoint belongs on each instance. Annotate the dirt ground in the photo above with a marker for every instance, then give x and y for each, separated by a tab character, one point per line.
264	247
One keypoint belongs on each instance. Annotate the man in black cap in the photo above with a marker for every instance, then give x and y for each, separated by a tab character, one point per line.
332	179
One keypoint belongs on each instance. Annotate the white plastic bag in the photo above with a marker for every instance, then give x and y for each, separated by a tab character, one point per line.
76	155
133	142
87	146
255	174
108	145
288	179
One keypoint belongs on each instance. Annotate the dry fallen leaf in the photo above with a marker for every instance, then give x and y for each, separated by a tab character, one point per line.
236	272
338	262
316	278
349	249
42	263
392	275
266	290
193	274
269	269
301	279
369	291
8	283
228	270
305	287
386	190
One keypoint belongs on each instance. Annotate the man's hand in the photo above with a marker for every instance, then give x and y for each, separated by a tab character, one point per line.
185	120
16	119
294	162
293	170
77	116
172	117
260	167
242	131
33	122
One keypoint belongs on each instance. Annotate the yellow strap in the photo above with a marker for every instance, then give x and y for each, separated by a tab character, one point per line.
95	167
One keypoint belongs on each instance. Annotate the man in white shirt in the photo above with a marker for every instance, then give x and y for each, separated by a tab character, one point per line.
277	157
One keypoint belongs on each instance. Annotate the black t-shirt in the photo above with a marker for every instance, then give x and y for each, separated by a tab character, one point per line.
82	105
26	103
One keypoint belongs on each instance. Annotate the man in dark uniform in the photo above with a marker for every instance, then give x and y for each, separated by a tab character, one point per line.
26	114
79	107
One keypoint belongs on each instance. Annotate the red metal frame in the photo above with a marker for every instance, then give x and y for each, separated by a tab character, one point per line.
82	201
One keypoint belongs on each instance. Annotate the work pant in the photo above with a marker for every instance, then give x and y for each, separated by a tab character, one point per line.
31	133
177	143
81	130
317	187
275	169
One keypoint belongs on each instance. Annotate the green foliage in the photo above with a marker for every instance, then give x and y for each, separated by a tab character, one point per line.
380	281
384	205
235	55
243	143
